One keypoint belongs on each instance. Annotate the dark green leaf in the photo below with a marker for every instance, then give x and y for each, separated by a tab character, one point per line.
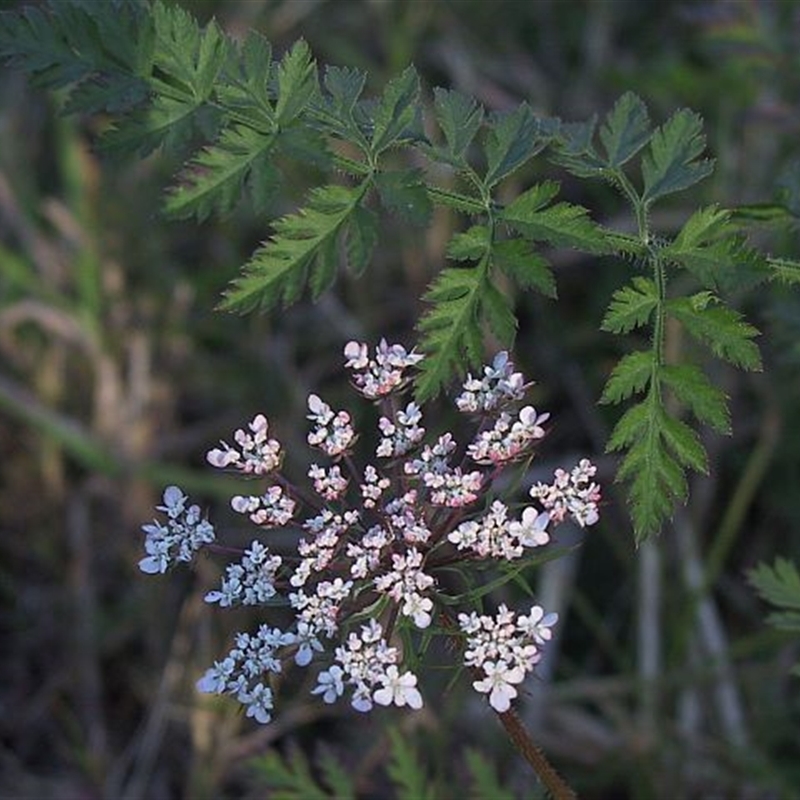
513	139
710	248
297	83
527	268
670	163
562	224
337	109
397	116
631	307
214	180
451	333
404	192
460	118
721	328
698	394
626	130
631	376
362	236
497	310
247	89
276	274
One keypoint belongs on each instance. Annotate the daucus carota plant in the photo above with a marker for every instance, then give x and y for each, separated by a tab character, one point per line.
367	575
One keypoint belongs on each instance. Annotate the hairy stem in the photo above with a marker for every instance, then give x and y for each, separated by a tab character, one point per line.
518	734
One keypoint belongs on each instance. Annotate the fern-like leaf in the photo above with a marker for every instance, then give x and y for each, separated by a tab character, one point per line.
460	118
722	329
626	130
513	139
631	376
397	114
451	333
215	179
671	162
527	268
562	224
407	771
710	247
691	386
297	83
277	273
404	193
631	307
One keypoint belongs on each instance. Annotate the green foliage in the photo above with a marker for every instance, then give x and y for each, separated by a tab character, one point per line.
168	82
779	586
292	777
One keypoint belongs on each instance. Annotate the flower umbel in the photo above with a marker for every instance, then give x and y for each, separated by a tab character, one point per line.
376	538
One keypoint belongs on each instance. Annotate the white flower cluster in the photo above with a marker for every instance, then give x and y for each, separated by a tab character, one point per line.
257	453
379	376
505	648
183	535
372	540
572	494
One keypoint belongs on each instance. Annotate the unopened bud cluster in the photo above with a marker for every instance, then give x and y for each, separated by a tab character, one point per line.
374	538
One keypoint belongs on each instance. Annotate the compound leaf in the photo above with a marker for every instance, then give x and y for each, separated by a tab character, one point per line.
721	329
626	130
513	138
562	224
527	268
670	163
404	192
630	376
277	271
690	385
397	115
631	306
297	83
215	178
460	118
451	333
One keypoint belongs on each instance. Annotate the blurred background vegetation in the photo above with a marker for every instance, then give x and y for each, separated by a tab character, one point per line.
116	374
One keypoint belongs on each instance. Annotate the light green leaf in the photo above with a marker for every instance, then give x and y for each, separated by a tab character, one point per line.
563	224
297	83
407	770
670	163
247	90
397	116
362	236
631	307
626	130
684	443
451	335
460	118
485	781
785	270
513	139
721	329
404	192
215	178
470	245
707	402
276	274
779	584
631	376
527	268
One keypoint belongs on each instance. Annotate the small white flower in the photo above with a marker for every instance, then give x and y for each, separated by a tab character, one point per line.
398	689
330	684
498	684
